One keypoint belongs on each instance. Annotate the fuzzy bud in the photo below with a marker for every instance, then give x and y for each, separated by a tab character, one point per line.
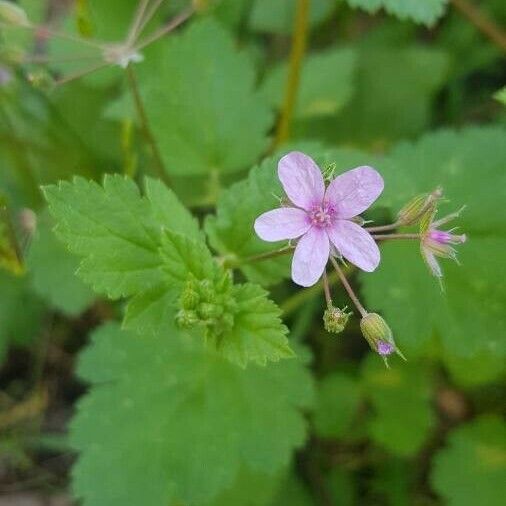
418	206
186	319
335	319
379	336
13	14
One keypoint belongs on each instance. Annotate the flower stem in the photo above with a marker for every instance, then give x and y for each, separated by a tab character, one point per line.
233	263
384	237
326	289
348	288
299	42
482	22
134	88
383	228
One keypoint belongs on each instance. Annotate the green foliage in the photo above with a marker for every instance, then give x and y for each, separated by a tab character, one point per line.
426	12
468	316
337	400
188	403
199	120
326	83
279	16
401	400
53	269
472	468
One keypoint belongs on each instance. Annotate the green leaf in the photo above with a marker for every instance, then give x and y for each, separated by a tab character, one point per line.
426	12
337	400
401	399
326	83
20	312
279	16
471	469
468	316
210	119
52	269
204	420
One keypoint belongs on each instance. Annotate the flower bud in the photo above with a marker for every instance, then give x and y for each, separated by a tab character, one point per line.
13	14
418	206
379	336
186	319
335	319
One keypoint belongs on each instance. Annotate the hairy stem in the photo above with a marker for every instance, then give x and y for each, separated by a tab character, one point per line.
158	163
384	237
348	288
296	57
383	228
482	22
233	263
326	289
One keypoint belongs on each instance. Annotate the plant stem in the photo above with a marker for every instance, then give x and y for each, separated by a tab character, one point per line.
134	88
326	289
233	263
296	57
348	288
383	228
384	237
482	22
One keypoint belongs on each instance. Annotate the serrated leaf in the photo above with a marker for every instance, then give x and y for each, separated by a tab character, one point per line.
279	16
468	316
426	12
52	270
325	87
196	411
337	399
471	469
401	399
210	119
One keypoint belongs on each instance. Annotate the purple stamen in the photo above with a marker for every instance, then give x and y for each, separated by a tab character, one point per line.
385	348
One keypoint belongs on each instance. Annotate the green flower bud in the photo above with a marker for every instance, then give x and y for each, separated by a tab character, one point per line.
209	311
13	14
379	336
418	206
186	319
335	319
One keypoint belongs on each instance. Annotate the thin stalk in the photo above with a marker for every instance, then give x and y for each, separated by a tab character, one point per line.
383	228
482	22
134	88
81	73
348	288
384	237
326	289
300	32
136	23
233	263
171	25
149	15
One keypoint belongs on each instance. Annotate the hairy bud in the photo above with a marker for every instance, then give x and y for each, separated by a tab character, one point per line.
418	206
13	14
379	336
335	319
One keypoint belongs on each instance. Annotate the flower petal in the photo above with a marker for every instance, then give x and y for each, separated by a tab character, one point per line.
355	244
354	191
302	180
282	223
310	257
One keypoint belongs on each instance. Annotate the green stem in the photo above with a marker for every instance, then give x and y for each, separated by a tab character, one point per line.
233	263
134	88
383	228
384	237
348	288
299	43
326	289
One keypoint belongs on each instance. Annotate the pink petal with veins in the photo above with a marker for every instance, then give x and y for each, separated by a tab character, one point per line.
355	244
283	223
310	257
302	180
354	191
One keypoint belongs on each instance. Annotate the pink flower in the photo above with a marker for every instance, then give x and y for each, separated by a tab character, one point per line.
438	243
322	218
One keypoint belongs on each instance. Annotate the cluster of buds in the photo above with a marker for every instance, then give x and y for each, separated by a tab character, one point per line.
207	304
335	319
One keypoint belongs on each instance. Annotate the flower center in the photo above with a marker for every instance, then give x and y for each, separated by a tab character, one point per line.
322	216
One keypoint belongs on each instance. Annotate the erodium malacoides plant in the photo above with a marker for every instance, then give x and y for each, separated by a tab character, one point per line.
325	224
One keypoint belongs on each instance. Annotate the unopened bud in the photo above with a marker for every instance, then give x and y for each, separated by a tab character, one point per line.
13	14
209	311
418	206
335	319
187	319
40	79
379	336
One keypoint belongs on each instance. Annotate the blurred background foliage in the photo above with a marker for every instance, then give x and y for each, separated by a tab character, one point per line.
412	87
